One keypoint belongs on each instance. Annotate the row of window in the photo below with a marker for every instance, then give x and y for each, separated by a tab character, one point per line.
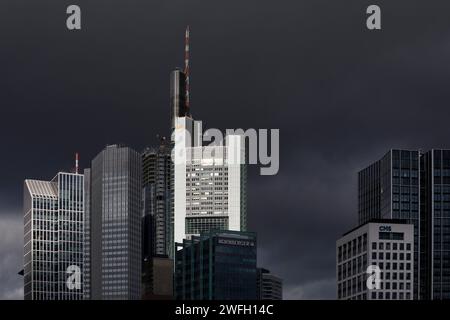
352	248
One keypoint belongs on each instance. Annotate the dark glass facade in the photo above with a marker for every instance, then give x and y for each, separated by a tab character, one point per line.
156	166
389	189
436	223
177	95
218	265
414	186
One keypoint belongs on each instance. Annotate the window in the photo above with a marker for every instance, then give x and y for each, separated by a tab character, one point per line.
391	236
374	246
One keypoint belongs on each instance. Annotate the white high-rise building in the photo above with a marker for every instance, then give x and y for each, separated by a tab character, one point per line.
53	237
380	248
209	182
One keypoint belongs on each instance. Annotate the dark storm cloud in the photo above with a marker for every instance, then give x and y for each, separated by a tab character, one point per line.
340	95
11	256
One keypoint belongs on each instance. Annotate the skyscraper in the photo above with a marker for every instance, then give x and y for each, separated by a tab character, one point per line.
156	166
389	189
414	186
87	236
209	182
53	237
115	224
435	224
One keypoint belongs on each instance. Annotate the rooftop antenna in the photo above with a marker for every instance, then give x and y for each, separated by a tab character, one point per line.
186	66
76	162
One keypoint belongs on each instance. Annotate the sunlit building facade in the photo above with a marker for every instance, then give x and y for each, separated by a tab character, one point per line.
54	238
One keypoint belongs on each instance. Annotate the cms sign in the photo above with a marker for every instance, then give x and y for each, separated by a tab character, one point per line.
385	228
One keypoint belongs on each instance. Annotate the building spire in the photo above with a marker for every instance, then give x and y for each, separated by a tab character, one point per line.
186	67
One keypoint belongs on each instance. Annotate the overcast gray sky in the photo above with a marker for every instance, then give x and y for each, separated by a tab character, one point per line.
341	96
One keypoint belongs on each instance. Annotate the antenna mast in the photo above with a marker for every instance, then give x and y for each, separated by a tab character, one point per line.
186	67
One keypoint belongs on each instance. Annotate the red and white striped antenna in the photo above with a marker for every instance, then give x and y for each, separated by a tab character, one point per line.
76	162
186	66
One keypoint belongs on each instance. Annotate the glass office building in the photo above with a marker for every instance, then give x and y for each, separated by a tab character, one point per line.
414	186
87	236
115	224
389	189
435	168
156	171
219	265
53	237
